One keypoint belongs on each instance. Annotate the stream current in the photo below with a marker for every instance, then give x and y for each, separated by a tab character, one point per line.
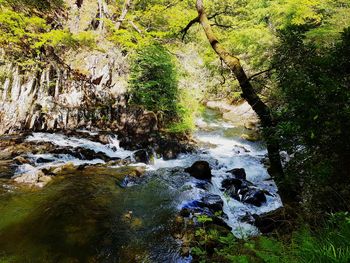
96	215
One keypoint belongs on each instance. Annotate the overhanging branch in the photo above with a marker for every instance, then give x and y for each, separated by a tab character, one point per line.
189	25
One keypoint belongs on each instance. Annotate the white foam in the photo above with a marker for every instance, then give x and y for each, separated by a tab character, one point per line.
112	149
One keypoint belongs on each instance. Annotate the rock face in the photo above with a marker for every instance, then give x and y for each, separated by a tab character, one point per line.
76	88
200	170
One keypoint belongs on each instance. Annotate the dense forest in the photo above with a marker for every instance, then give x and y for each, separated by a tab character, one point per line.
174	131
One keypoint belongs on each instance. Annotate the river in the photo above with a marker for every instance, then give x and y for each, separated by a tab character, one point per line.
97	214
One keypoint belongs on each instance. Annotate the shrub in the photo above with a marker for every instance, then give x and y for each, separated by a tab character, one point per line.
153	81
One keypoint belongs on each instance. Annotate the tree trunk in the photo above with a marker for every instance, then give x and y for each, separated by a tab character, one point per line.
248	93
126	7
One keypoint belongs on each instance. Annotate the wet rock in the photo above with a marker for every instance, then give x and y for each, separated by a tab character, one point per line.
244	191
43	160
35	178
251	124
252	137
133	175
59	170
254	197
203	185
120	162
185	212
83	153
238	173
104	138
200	170
169	149
142	156
20	160
270	221
7	169
88	154
232	182
213	202
240	149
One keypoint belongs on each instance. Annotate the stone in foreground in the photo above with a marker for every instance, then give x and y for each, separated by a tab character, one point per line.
200	170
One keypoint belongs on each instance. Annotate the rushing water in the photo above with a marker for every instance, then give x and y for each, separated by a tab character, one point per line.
94	215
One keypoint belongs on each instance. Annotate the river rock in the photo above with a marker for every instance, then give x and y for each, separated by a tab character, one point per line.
252	137
270	221
66	166
254	197
200	170
251	125
36	178
142	156
238	173
243	191
240	149
88	154
20	160
43	160
7	169
213	202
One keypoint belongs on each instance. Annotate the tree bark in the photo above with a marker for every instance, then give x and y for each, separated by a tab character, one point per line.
248	93
126	7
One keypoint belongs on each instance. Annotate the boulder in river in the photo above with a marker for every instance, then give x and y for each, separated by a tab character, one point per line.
213	202
238	173
200	170
254	197
142	156
244	191
20	160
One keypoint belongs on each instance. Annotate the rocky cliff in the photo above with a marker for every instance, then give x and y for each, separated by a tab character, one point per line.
82	88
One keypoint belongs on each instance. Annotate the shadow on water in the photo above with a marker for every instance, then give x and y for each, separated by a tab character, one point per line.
86	217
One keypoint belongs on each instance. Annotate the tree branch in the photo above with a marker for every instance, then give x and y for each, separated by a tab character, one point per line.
126	7
189	25
196	20
259	73
137	29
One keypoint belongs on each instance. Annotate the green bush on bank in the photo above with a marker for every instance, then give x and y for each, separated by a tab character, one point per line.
329	245
154	85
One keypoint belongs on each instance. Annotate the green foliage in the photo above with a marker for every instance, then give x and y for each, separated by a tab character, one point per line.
314	112
187	108
164	18
153	80
126	38
25	35
19	33
39	5
332	244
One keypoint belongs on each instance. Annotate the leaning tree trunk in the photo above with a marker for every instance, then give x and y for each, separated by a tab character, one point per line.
248	93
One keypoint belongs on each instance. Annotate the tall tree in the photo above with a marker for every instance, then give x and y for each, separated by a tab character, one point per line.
248	92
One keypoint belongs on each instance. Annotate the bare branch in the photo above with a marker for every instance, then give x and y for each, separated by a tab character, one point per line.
196	20
189	25
137	29
259	73
126	7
